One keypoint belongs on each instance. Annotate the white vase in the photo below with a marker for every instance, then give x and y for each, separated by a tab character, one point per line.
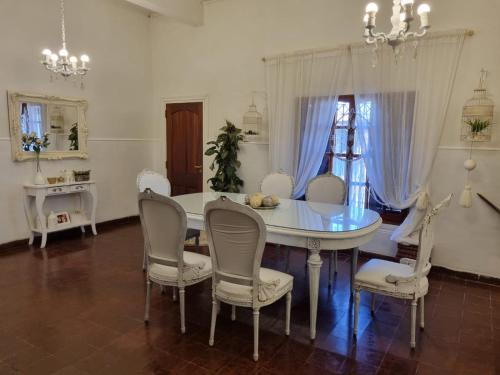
39	179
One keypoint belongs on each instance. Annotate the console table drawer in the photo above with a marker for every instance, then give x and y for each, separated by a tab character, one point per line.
57	190
74	188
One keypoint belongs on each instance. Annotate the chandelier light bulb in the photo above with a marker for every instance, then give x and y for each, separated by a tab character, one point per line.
365	20
407	2
63	52
54	57
84	58
371	8
423	8
46	52
73	59
402	16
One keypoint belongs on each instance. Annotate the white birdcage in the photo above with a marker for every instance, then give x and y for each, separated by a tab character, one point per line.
252	123
477	114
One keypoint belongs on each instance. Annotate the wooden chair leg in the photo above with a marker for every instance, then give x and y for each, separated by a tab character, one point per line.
288	311
182	308
256	335
356	311
413	322
148	301
422	313
233	313
214	321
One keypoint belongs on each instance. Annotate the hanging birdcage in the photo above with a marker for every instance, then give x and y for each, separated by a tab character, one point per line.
252	123
477	114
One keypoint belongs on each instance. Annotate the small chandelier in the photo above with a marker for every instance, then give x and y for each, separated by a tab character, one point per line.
61	63
402	16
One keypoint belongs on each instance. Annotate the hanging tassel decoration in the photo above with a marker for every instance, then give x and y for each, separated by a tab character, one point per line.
422	201
466	197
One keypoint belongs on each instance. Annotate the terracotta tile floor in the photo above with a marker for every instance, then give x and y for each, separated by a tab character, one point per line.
77	308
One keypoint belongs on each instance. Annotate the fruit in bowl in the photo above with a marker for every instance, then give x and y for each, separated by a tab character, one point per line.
261	201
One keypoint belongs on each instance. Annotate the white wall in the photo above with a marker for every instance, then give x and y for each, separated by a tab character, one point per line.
116	35
222	59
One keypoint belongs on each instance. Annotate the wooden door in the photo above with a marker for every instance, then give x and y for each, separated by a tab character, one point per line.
185	147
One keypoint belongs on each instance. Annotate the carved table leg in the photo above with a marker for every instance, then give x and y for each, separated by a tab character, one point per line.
314	265
40	198
354	267
93	193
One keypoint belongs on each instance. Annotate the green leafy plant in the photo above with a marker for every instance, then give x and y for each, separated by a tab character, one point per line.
477	125
225	148
73	137
251	132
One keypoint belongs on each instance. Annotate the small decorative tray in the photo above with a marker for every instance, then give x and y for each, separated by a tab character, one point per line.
264	207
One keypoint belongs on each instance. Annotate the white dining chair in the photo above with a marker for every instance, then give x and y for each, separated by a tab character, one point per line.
164	226
406	279
160	185
279	184
236	238
327	188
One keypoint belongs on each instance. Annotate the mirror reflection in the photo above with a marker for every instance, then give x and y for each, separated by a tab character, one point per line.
58	121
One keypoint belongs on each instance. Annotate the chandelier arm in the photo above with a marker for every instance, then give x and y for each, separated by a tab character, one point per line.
377	36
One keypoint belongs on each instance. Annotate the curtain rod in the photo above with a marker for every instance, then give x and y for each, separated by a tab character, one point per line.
434	34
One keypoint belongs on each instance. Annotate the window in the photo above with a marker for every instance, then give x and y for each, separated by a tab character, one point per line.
343	159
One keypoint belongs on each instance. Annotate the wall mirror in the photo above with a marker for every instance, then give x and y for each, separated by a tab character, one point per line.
62	119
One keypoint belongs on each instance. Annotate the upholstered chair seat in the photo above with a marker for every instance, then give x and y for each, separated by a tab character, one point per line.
196	266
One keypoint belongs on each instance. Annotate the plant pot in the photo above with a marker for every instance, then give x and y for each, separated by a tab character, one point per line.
39	179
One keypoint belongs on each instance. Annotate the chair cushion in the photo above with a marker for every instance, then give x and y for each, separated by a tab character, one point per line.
373	275
274	285
196	266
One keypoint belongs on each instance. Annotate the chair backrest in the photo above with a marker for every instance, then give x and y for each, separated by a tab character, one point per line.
155	181
426	237
236	239
164	226
326	188
278	183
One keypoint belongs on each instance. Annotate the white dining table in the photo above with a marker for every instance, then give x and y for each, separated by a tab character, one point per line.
304	224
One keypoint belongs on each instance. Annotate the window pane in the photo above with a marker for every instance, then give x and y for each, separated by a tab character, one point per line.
357	188
340	141
342	117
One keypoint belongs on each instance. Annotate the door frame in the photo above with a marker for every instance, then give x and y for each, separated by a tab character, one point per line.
185	99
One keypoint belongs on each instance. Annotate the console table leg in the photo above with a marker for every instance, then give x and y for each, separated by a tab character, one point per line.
82	228
39	200
314	266
31	238
44	240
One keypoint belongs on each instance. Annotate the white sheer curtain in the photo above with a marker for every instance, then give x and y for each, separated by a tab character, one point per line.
32	118
302	97
401	109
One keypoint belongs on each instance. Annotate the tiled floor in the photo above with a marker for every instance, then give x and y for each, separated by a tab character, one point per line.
77	308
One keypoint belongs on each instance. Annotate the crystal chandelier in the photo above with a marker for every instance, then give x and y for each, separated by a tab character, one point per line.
61	63
402	16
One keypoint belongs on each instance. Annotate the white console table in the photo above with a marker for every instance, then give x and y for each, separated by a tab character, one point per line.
35	197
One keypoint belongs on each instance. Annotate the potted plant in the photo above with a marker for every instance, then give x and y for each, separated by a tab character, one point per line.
225	148
73	137
477	126
32	143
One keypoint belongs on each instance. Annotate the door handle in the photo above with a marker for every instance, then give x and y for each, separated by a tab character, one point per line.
198	166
